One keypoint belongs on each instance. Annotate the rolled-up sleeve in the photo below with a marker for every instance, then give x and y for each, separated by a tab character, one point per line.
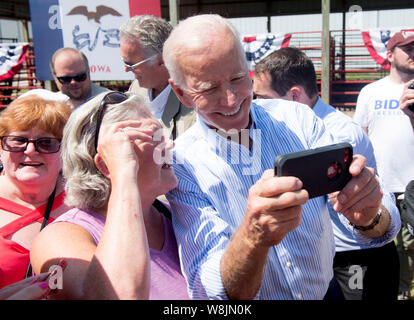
388	201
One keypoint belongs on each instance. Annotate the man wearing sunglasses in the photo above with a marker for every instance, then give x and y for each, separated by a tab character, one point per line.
70	69
142	40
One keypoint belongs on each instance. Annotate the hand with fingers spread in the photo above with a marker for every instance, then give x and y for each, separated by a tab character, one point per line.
118	143
360	200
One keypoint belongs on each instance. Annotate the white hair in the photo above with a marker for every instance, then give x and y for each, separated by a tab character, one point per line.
150	31
194	33
86	187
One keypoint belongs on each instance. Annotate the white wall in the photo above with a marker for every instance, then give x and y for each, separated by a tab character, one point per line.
247	26
291	23
305	22
13	29
313	22
10	29
369	19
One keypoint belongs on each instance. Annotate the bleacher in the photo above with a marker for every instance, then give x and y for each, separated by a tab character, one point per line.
351	66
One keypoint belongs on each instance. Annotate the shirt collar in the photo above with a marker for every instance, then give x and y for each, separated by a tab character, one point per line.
157	105
217	140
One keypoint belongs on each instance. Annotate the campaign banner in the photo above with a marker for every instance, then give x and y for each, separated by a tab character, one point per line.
259	46
12	57
376	40
90	26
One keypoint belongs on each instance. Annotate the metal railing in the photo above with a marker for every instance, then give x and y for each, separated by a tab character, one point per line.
24	80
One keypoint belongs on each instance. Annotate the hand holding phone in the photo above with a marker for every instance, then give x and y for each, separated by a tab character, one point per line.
322	170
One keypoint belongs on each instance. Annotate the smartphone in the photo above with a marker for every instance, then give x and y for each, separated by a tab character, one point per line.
322	170
411	106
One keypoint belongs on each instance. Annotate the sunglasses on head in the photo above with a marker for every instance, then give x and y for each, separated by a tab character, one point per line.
68	79
19	144
110	98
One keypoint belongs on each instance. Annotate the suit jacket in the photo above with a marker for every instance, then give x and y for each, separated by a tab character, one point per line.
176	117
95	90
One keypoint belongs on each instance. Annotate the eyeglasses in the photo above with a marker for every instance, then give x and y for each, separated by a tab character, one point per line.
19	144
68	79
132	67
110	98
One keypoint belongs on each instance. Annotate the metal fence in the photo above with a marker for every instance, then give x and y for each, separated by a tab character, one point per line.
24	80
351	66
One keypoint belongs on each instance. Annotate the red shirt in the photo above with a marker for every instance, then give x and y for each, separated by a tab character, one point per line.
14	258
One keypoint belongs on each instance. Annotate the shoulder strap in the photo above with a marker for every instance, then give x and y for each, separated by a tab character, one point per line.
13	207
48	208
162	208
44	223
28	215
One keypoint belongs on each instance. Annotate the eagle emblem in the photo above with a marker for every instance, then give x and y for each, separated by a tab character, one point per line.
100	12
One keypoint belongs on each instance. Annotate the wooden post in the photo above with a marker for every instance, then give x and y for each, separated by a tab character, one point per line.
343	53
23	23
48	85
325	89
174	16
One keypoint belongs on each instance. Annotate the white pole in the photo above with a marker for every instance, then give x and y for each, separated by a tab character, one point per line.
325	51
173	4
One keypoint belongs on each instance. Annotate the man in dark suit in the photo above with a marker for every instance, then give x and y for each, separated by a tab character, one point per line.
142	40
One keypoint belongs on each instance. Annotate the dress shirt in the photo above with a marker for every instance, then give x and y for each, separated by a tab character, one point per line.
157	105
209	204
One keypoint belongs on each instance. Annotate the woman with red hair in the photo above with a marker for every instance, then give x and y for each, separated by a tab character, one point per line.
31	185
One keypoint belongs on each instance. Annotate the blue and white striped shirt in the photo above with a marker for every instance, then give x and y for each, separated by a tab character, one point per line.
209	204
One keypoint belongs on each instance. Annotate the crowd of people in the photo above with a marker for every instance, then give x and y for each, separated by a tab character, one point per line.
167	191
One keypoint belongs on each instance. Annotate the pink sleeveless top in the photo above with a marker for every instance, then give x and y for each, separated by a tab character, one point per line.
167	282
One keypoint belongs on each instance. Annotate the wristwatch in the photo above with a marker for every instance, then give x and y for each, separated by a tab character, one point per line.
371	225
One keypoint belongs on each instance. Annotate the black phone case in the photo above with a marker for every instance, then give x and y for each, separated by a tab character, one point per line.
411	106
322	170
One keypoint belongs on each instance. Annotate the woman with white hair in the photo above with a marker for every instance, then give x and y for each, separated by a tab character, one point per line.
116	241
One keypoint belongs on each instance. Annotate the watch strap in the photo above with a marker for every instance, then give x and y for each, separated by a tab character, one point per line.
372	224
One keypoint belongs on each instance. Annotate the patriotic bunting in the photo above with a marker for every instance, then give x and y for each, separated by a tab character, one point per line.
375	40
259	46
12	56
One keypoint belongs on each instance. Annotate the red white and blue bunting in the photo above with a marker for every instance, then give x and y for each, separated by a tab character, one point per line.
259	46
12	56
376	40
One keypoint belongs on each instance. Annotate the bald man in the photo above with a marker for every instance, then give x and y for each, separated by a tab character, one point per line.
70	70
